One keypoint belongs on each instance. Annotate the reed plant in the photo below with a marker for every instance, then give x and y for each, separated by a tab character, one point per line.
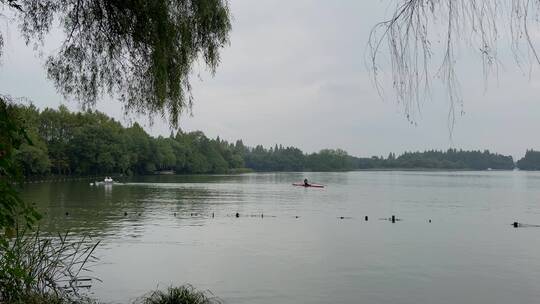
35	268
185	294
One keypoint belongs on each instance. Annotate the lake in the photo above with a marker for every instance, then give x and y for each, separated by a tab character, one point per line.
290	244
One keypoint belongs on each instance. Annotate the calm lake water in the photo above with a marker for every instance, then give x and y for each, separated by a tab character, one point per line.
301	251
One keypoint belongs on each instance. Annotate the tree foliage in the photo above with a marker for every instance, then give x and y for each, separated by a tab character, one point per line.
141	52
451	159
13	140
91	143
531	161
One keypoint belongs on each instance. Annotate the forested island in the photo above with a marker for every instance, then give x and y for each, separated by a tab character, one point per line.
91	143
531	161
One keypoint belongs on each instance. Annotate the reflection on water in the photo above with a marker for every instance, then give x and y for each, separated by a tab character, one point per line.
108	190
164	230
104	210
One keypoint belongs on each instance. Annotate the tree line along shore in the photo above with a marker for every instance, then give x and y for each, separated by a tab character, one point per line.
65	143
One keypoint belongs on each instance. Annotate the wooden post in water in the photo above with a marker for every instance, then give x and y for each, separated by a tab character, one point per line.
366	218
515	224
393	218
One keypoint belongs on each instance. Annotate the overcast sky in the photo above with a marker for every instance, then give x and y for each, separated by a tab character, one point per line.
295	74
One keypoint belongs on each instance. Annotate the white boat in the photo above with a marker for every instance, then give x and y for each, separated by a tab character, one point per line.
106	181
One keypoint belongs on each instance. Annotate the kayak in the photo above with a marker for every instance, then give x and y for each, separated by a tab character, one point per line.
308	185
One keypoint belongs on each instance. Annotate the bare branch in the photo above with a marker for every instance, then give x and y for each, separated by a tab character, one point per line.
409	35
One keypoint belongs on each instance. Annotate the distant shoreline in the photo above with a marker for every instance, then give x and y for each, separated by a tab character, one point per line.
64	178
434	169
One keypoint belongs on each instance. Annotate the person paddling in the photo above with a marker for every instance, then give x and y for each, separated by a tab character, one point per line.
306	184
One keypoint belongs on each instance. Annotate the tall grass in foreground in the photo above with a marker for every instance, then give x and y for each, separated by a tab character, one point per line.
52	299
186	294
38	269
52	270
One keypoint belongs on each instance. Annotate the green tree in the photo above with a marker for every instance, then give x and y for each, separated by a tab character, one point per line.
165	157
32	155
531	161
329	160
33	159
55	128
139	149
139	51
12	136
